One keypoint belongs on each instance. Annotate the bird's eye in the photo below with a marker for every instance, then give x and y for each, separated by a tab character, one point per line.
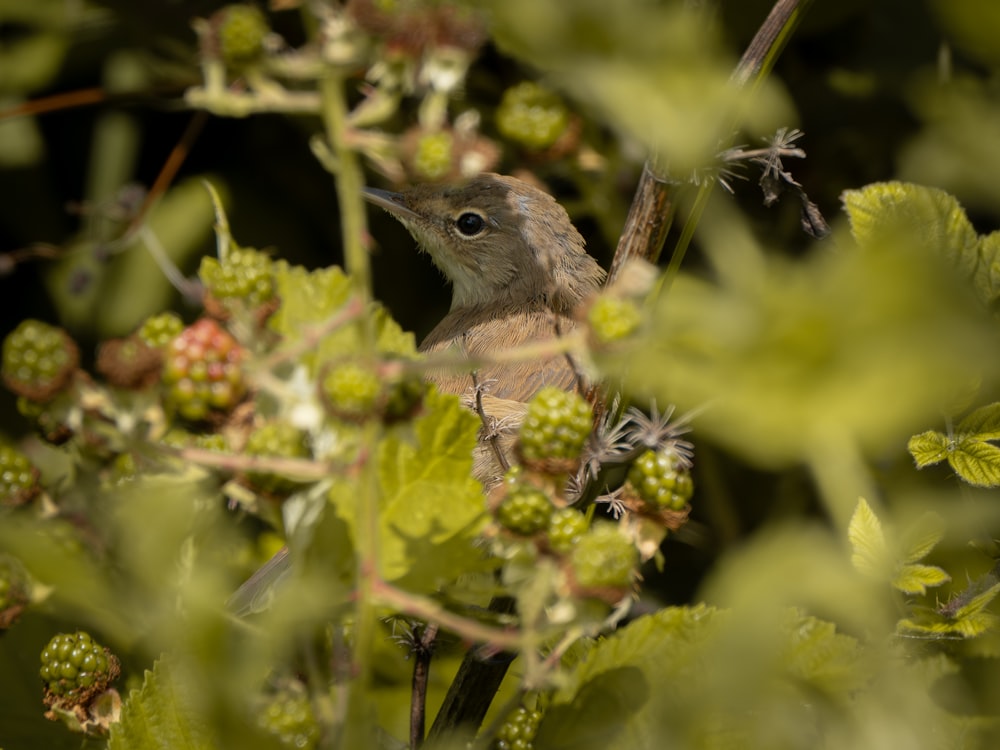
470	224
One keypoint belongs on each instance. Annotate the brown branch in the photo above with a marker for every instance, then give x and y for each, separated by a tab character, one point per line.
651	213
423	650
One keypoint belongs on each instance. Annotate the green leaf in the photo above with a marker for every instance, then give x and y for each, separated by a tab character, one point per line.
983	423
921	537
870	554
928	448
779	356
978	463
932	220
978	601
818	655
431	508
159	716
914	579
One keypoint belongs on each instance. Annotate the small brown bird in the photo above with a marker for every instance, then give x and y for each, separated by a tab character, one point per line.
518	269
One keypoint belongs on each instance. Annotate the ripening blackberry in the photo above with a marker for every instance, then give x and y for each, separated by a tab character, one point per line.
524	510
288	715
278	440
38	360
202	371
75	668
604	558
532	115
18	477
518	730
556	425
661	479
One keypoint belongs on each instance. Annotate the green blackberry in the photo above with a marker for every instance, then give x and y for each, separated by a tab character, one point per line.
432	156
566	527
157	331
556	425
275	439
246	275
241	32
518	730
525	510
18	477
604	558
38	360
288	715
75	668
532	115
351	391
613	319
202	371
661	480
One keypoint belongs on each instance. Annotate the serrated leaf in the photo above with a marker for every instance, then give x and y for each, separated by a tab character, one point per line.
928	448
983	423
977	603
820	656
921	537
430	507
976	462
914	579
159	716
935	220
870	554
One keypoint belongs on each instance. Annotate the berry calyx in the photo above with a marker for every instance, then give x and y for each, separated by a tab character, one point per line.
604	558
525	510
18	477
75	668
556	426
202	371
661	479
38	360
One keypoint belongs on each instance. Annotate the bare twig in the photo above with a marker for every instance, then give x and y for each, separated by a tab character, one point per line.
423	649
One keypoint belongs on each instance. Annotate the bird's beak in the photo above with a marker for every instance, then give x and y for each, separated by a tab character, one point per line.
394	203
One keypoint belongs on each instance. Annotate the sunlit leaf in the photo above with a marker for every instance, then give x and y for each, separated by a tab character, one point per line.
983	423
870	554
928	448
914	579
978	463
160	715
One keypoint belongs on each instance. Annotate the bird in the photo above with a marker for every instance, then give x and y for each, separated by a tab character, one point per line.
518	270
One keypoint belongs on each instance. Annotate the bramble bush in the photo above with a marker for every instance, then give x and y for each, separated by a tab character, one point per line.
737	541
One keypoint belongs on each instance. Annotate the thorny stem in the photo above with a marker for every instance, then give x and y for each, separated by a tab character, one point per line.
652	210
423	649
489	428
350	181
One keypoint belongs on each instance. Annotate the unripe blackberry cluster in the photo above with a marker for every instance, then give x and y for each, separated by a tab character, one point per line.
288	716
524	510
612	319
129	363
433	155
241	30
661	479
74	667
246	275
604	558
277	439
159	330
532	115
566	527
356	392
202	371
556	426
38	360
18	477
518	730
